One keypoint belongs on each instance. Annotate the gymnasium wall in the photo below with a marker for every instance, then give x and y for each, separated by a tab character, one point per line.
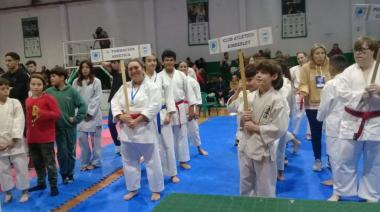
163	23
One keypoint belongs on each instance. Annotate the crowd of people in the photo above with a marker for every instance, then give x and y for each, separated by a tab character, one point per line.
157	116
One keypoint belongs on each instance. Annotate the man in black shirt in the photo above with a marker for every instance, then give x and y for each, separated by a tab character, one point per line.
18	76
117	82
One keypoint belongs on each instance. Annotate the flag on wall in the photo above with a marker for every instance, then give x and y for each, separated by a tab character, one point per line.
198	26
31	34
293	18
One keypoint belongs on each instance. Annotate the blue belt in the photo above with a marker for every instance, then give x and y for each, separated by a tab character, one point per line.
159	119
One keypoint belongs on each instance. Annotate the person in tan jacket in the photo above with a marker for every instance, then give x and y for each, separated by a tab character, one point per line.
313	77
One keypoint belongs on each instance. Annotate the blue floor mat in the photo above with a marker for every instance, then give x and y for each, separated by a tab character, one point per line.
42	201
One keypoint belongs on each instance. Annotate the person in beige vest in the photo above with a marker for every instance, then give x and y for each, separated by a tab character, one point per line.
313	77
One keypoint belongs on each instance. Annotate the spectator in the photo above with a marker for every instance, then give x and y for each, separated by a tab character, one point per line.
31	65
18	77
225	64
335	50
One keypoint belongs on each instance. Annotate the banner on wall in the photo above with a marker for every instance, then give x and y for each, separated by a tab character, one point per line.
198	25
31	35
293	18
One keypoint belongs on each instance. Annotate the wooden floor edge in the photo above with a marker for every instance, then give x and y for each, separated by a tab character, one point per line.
90	191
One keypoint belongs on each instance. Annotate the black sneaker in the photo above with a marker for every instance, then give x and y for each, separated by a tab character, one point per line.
37	188
54	191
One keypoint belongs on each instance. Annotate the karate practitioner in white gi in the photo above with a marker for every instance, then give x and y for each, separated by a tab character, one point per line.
138	132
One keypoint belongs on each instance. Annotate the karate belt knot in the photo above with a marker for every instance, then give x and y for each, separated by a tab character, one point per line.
179	114
364	116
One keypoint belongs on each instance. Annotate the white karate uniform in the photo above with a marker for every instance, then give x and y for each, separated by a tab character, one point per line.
166	138
192	126
330	111
183	97
12	126
141	140
297	114
91	94
257	152
352	83
286	92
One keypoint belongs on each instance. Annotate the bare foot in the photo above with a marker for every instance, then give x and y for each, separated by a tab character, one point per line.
155	196
371	201
202	151
334	198
130	195
328	182
185	165
296	145
24	197
280	175
8	197
174	179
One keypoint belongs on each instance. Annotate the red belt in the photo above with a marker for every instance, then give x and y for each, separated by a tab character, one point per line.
179	114
364	116
135	116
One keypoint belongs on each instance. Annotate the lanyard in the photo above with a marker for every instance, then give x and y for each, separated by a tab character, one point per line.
133	95
320	71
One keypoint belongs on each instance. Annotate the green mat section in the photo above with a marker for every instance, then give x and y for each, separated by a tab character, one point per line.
193	202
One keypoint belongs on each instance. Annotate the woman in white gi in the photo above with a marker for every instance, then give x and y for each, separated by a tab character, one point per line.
330	112
298	107
90	89
138	131
264	123
360	129
192	124
164	120
12	145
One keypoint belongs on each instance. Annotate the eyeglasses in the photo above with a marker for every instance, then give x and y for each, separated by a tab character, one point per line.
361	50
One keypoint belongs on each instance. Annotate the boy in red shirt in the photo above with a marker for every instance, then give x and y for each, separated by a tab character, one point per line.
42	112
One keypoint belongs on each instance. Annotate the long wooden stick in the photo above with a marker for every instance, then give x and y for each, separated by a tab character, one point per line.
124	77
373	79
243	80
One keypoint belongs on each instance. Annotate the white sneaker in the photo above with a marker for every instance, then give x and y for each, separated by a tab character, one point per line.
317	166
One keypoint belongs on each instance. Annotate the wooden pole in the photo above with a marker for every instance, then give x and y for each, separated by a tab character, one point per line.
124	77
373	79
243	80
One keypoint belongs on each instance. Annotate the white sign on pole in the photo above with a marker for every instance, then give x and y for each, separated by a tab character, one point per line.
265	36
238	41
242	40
120	53
374	13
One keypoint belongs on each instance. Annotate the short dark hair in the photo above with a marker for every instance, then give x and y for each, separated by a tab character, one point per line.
272	67
60	71
4	81
13	55
31	62
168	53
250	70
338	63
